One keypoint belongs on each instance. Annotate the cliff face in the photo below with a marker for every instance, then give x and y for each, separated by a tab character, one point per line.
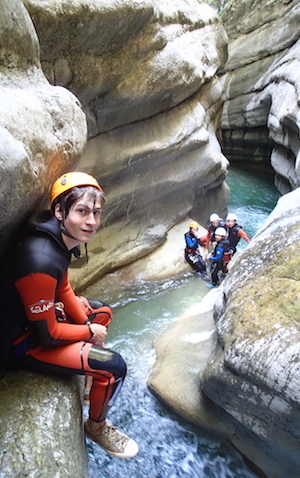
261	81
146	75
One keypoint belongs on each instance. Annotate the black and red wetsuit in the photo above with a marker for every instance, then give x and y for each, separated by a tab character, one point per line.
235	233
36	278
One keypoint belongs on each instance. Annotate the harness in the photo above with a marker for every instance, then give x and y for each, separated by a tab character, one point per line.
233	235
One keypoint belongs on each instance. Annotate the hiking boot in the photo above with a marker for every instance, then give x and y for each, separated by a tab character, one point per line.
114	442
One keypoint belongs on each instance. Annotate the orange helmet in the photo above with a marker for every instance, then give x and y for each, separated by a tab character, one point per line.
70	180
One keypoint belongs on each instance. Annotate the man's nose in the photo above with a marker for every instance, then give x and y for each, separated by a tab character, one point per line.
91	218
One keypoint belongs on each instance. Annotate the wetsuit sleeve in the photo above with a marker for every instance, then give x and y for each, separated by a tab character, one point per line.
191	242
218	254
37	292
241	233
67	296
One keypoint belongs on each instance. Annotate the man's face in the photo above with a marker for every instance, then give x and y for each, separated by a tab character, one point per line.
83	219
215	223
230	223
194	230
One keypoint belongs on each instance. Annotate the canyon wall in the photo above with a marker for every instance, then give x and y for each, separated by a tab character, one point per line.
261	81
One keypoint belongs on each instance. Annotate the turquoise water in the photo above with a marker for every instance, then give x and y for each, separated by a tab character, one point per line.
169	447
253	196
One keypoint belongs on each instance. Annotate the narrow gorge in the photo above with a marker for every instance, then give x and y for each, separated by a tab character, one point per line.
156	99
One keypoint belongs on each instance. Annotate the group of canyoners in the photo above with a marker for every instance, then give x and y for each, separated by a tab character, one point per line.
223	236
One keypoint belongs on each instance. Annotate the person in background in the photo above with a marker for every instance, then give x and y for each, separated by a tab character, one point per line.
235	232
209	238
216	257
47	328
192	253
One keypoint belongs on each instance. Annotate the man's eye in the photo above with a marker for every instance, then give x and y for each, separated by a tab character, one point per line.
83	211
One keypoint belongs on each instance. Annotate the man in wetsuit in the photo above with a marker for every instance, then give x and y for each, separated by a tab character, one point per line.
235	232
53	330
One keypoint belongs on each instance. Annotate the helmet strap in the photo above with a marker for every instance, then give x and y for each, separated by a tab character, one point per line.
86	253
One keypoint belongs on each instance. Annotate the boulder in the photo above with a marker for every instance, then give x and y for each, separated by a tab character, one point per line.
183	351
41	427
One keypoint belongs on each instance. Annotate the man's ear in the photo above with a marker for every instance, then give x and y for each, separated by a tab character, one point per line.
57	212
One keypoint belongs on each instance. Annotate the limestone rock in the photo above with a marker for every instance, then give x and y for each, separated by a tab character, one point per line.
164	262
42	127
41	427
128	61
260	119
164	179
182	353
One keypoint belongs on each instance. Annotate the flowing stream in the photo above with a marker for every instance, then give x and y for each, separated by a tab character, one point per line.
169	447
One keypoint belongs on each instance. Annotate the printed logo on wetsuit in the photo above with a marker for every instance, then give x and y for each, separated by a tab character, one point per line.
41	306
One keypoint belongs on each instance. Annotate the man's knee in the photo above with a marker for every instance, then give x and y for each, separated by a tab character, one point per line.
107	360
97	311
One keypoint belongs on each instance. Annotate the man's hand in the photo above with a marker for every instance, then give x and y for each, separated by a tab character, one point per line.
100	333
